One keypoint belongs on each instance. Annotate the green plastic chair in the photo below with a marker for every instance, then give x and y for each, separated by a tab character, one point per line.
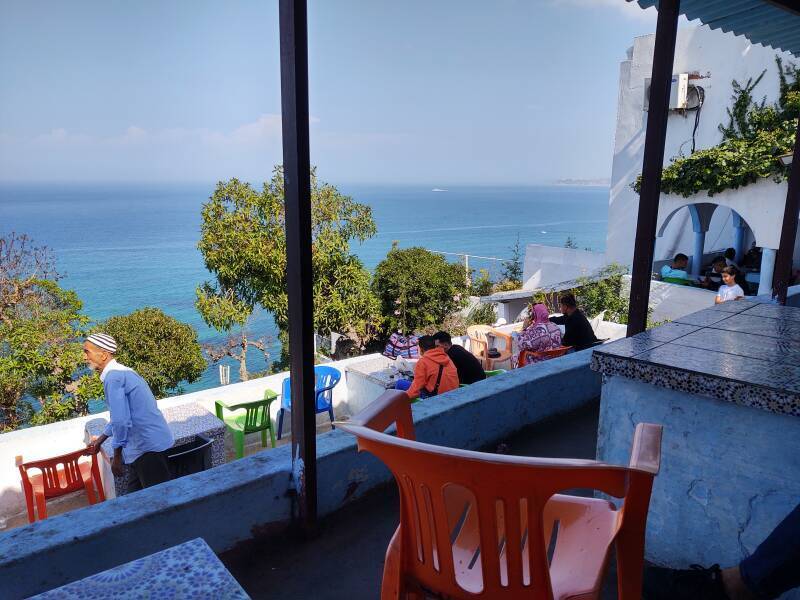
254	418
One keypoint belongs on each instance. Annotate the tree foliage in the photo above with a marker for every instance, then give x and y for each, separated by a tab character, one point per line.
243	243
756	134
512	268
418	289
41	361
164	351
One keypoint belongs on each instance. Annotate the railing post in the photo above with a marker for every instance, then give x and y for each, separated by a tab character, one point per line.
660	81
299	278
783	261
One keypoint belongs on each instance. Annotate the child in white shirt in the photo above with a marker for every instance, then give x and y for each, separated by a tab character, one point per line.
729	290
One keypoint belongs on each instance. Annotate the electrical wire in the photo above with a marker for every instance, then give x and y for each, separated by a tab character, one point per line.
701	96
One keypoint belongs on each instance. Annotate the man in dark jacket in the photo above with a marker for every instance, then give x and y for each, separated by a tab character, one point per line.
469	368
577	330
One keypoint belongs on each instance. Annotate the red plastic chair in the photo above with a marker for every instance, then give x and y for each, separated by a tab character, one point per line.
59	476
478	525
532	356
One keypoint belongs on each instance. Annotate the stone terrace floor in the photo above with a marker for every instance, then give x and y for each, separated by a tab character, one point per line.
346	559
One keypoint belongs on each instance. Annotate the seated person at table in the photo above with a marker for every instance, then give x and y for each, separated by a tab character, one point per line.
729	290
774	568
578	332
434	374
713	278
730	258
541	334
468	366
678	268
138	431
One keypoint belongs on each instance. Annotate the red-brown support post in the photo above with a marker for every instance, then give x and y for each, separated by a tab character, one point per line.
660	81
299	279
783	260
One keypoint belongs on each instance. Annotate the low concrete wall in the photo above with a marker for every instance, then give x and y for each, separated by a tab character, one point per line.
250	497
729	473
58	438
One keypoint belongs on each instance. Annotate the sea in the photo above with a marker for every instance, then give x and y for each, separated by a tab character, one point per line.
124	246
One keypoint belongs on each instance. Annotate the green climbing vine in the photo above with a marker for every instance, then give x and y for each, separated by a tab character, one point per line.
756	134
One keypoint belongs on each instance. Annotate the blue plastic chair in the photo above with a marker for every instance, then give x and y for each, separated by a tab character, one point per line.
327	378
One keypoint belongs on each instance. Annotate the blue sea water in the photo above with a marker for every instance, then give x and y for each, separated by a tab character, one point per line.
123	247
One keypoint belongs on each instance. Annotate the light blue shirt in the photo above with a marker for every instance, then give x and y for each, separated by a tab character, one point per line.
667	271
136	425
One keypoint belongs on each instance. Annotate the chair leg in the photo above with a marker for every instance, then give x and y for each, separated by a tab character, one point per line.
238	443
280	422
392	577
330	412
29	507
630	564
272	434
263	438
41	507
88	484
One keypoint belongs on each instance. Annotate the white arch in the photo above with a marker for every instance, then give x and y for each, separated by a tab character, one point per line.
760	204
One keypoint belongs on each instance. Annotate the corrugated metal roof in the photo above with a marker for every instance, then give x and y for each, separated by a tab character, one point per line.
759	21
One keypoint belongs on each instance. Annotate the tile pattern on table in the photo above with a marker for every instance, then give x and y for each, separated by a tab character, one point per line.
744	369
744	394
746	323
743	344
773	311
629	346
667	332
189	570
705	317
736	306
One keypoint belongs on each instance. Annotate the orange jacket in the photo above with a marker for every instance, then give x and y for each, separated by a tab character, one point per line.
427	370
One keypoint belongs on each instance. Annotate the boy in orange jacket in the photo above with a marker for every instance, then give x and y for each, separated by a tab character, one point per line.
434	374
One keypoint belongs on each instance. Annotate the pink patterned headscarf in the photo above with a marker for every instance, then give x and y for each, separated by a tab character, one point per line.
540	313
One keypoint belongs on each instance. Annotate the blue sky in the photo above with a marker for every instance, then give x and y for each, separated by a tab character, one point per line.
418	91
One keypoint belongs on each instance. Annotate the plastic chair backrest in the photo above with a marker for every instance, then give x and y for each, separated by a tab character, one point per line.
527	356
479	339
257	412
326	378
508	496
61	474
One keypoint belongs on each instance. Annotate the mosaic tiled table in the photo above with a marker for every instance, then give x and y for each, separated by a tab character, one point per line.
187	421
725	383
189	570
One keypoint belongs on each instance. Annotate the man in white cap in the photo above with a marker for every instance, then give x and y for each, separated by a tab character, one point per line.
138	431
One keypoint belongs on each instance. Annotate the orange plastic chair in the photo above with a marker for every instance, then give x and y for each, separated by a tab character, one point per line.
479	343
59	476
478	525
531	356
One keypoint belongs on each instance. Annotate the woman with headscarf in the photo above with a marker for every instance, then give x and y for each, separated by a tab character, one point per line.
540	334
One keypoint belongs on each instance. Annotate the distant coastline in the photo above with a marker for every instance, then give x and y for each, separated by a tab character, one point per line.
586	182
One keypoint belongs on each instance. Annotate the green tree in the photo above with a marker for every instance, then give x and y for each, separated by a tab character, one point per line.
512	268
243	243
41	360
482	284
418	289
164	351
604	292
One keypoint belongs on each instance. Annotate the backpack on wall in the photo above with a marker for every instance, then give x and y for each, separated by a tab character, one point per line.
401	346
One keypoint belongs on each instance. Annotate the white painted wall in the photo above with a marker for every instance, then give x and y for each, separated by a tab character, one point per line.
546	266
66	436
723	57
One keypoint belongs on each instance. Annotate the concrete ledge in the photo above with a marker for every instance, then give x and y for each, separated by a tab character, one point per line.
251	497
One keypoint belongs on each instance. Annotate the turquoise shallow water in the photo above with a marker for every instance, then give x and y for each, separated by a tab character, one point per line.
122	247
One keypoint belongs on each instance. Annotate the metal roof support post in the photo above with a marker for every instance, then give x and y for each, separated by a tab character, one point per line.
644	246
783	261
299	280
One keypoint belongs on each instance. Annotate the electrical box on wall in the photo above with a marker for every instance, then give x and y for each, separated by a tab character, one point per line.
678	93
